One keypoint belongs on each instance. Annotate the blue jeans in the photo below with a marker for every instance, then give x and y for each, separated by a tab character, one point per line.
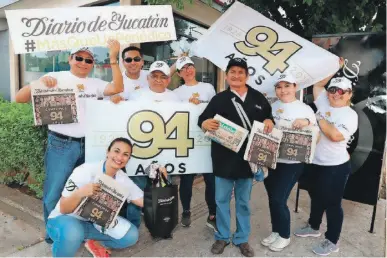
68	233
133	212
186	182
242	191
326	194
279	184
61	157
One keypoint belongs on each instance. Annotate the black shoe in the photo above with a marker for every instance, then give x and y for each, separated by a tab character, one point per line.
211	223
186	219
218	246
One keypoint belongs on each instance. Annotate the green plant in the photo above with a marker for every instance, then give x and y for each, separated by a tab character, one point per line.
22	147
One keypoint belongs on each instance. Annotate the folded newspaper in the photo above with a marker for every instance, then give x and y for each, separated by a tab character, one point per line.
229	134
297	145
262	149
103	207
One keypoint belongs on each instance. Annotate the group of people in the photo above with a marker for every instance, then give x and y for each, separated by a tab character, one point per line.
68	180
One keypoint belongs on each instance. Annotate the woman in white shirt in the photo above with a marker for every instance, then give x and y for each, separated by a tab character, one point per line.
290	113
69	231
331	165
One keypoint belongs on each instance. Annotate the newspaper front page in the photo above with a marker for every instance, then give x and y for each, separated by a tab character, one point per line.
103	207
262	148
55	105
297	145
229	134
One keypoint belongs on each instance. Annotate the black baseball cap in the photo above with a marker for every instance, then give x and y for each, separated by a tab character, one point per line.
237	62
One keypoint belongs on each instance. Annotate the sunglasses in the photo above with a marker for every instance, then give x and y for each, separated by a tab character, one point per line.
333	90
135	59
87	60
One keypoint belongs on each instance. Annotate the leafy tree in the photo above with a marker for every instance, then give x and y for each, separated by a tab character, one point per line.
310	17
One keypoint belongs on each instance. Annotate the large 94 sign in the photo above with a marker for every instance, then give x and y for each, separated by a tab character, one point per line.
171	134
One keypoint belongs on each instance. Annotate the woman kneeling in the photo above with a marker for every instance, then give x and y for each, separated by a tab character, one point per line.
69	231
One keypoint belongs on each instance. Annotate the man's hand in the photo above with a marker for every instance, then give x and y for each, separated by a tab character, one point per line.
300	123
194	101
88	190
116	99
210	124
269	125
48	81
114	49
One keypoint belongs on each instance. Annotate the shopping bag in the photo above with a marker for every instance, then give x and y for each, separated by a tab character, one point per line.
161	207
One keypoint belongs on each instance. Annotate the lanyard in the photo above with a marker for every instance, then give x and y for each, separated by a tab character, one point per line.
104	169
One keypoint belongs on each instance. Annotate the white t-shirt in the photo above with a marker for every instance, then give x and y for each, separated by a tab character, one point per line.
87	173
202	91
87	88
145	94
131	85
288	112
345	119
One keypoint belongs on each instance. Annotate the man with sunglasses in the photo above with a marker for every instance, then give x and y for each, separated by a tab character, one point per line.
134	77
66	142
195	92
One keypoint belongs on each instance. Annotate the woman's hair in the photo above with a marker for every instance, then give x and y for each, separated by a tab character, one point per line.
120	139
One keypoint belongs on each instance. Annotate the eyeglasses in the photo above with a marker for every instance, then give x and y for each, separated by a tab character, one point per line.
333	90
87	60
135	59
186	67
159	78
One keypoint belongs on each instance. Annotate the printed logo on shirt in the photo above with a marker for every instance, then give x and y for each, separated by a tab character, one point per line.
259	107
115	223
343	126
280	111
71	186
158	100
166	219
81	87
87	95
137	87
328	114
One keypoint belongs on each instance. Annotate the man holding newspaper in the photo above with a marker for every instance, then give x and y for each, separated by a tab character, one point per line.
240	105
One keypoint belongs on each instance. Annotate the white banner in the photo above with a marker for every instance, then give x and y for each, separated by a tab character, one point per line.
268	48
161	132
34	30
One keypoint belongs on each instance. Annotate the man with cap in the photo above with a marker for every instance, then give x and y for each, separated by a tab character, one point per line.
158	80
231	171
194	92
66	142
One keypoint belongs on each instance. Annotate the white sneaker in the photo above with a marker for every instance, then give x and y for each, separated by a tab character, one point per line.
270	239
279	244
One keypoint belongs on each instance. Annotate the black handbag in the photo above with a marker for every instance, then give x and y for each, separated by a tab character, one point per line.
161	206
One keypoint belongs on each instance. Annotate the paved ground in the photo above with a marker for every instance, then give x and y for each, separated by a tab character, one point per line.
196	241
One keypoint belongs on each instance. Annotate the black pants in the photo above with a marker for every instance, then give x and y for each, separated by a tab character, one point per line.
279	184
326	193
186	182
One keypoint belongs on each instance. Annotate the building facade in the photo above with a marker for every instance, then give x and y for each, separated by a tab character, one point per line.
190	23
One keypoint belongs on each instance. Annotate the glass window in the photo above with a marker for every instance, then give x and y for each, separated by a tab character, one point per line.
168	51
35	65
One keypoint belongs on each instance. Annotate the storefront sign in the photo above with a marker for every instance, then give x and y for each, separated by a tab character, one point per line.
166	133
268	48
37	30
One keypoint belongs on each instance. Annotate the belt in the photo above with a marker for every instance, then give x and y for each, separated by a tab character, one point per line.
66	137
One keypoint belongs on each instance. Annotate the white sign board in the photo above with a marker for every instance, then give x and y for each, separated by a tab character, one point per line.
268	48
160	131
36	30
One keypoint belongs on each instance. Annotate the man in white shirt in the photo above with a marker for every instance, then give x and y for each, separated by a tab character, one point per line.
195	92
66	142
134	77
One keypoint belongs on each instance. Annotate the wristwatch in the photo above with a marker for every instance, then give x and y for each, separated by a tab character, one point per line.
114	63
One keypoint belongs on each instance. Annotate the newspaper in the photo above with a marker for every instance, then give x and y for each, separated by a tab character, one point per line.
297	145
55	105
229	134
103	207
262	148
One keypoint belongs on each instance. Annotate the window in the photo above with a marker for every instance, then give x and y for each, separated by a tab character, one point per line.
168	51
35	65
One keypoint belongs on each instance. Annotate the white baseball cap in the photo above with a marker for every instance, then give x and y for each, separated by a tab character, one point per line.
82	49
285	77
182	61
160	66
341	82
